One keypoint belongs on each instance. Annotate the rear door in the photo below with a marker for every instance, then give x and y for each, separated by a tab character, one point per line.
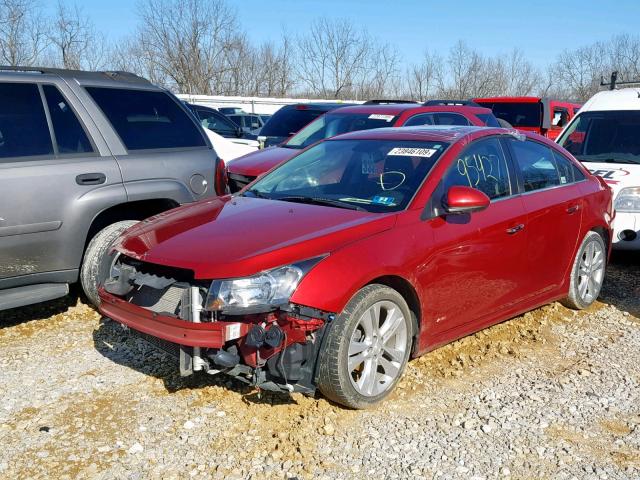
48	165
480	267
165	153
553	203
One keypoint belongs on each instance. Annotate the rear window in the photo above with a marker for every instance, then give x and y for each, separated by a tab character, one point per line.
147	120
23	124
518	114
287	121
604	137
488	119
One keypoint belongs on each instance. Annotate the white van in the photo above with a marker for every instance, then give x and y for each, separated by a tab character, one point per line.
605	136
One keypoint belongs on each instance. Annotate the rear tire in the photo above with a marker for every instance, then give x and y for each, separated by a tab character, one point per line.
97	261
587	274
366	348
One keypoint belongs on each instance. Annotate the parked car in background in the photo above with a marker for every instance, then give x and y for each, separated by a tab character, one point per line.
362	251
291	118
265	118
231	110
544	116
216	122
83	156
247	122
375	114
605	136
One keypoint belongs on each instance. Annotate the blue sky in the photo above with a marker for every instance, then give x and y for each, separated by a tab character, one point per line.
541	29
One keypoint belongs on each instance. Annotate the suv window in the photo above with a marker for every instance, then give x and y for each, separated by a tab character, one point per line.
216	122
482	165
444	118
147	119
537	164
23	124
70	136
288	120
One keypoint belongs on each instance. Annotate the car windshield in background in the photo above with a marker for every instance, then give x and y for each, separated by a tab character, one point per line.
370	175
332	124
604	137
287	121
518	114
147	119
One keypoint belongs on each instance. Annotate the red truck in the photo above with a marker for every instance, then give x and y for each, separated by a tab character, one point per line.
532	114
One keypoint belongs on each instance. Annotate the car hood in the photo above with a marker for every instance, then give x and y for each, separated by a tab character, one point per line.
256	163
617	175
239	236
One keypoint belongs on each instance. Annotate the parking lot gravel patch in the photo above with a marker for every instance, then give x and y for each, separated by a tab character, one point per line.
551	394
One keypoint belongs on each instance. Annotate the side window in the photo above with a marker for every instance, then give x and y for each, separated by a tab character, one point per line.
451	119
537	164
215	123
488	119
482	165
420	119
147	119
568	170
560	117
23	124
70	136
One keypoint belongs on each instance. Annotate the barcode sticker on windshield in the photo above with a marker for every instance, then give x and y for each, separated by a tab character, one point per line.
378	116
412	152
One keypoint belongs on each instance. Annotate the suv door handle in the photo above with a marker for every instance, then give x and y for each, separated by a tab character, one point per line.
573	209
91	179
515	229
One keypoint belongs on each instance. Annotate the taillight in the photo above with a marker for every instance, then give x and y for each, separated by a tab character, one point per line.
221	180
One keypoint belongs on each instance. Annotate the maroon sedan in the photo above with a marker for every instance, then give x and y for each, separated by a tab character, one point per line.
367	116
361	252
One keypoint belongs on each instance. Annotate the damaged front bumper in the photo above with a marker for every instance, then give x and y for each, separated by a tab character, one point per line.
276	351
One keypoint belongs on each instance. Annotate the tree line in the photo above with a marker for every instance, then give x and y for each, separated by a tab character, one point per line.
200	47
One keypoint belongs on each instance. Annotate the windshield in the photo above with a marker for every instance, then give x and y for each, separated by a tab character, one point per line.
371	175
604	137
287	121
333	124
518	114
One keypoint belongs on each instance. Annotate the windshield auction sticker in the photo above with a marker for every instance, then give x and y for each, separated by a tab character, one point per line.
378	116
412	152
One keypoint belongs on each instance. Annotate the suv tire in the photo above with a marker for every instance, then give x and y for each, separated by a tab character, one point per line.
97	261
366	348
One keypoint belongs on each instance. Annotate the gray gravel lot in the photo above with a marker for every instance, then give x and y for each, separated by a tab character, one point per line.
551	394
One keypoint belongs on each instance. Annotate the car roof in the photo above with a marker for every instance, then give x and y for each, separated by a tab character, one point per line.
321	106
397	109
82	77
524	99
443	133
622	99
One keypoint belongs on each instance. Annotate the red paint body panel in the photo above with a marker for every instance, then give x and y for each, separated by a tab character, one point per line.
466	271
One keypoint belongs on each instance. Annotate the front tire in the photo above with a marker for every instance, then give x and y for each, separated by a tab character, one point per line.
367	348
97	262
587	273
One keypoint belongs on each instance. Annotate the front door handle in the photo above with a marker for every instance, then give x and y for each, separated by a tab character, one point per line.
573	209
515	229
91	179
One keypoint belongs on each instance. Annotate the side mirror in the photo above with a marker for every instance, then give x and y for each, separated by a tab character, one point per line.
460	199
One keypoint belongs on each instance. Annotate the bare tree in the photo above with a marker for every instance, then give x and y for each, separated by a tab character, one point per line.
75	43
188	41
22	32
423	78
518	76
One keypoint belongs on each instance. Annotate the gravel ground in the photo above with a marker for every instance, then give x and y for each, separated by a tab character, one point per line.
551	394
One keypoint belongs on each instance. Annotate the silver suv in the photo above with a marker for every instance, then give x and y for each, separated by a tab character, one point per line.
83	156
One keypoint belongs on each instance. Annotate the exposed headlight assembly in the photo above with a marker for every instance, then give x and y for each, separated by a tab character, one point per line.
628	200
259	293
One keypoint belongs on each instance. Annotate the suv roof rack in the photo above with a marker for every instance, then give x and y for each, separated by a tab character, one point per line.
63	72
613	83
387	102
466	103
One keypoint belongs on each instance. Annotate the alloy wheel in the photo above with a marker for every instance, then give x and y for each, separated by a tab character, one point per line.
591	272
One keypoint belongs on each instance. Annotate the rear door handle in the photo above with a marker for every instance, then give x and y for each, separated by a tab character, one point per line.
515	229
91	179
573	209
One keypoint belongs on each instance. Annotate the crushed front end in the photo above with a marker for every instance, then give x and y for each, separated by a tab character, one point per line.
275	350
